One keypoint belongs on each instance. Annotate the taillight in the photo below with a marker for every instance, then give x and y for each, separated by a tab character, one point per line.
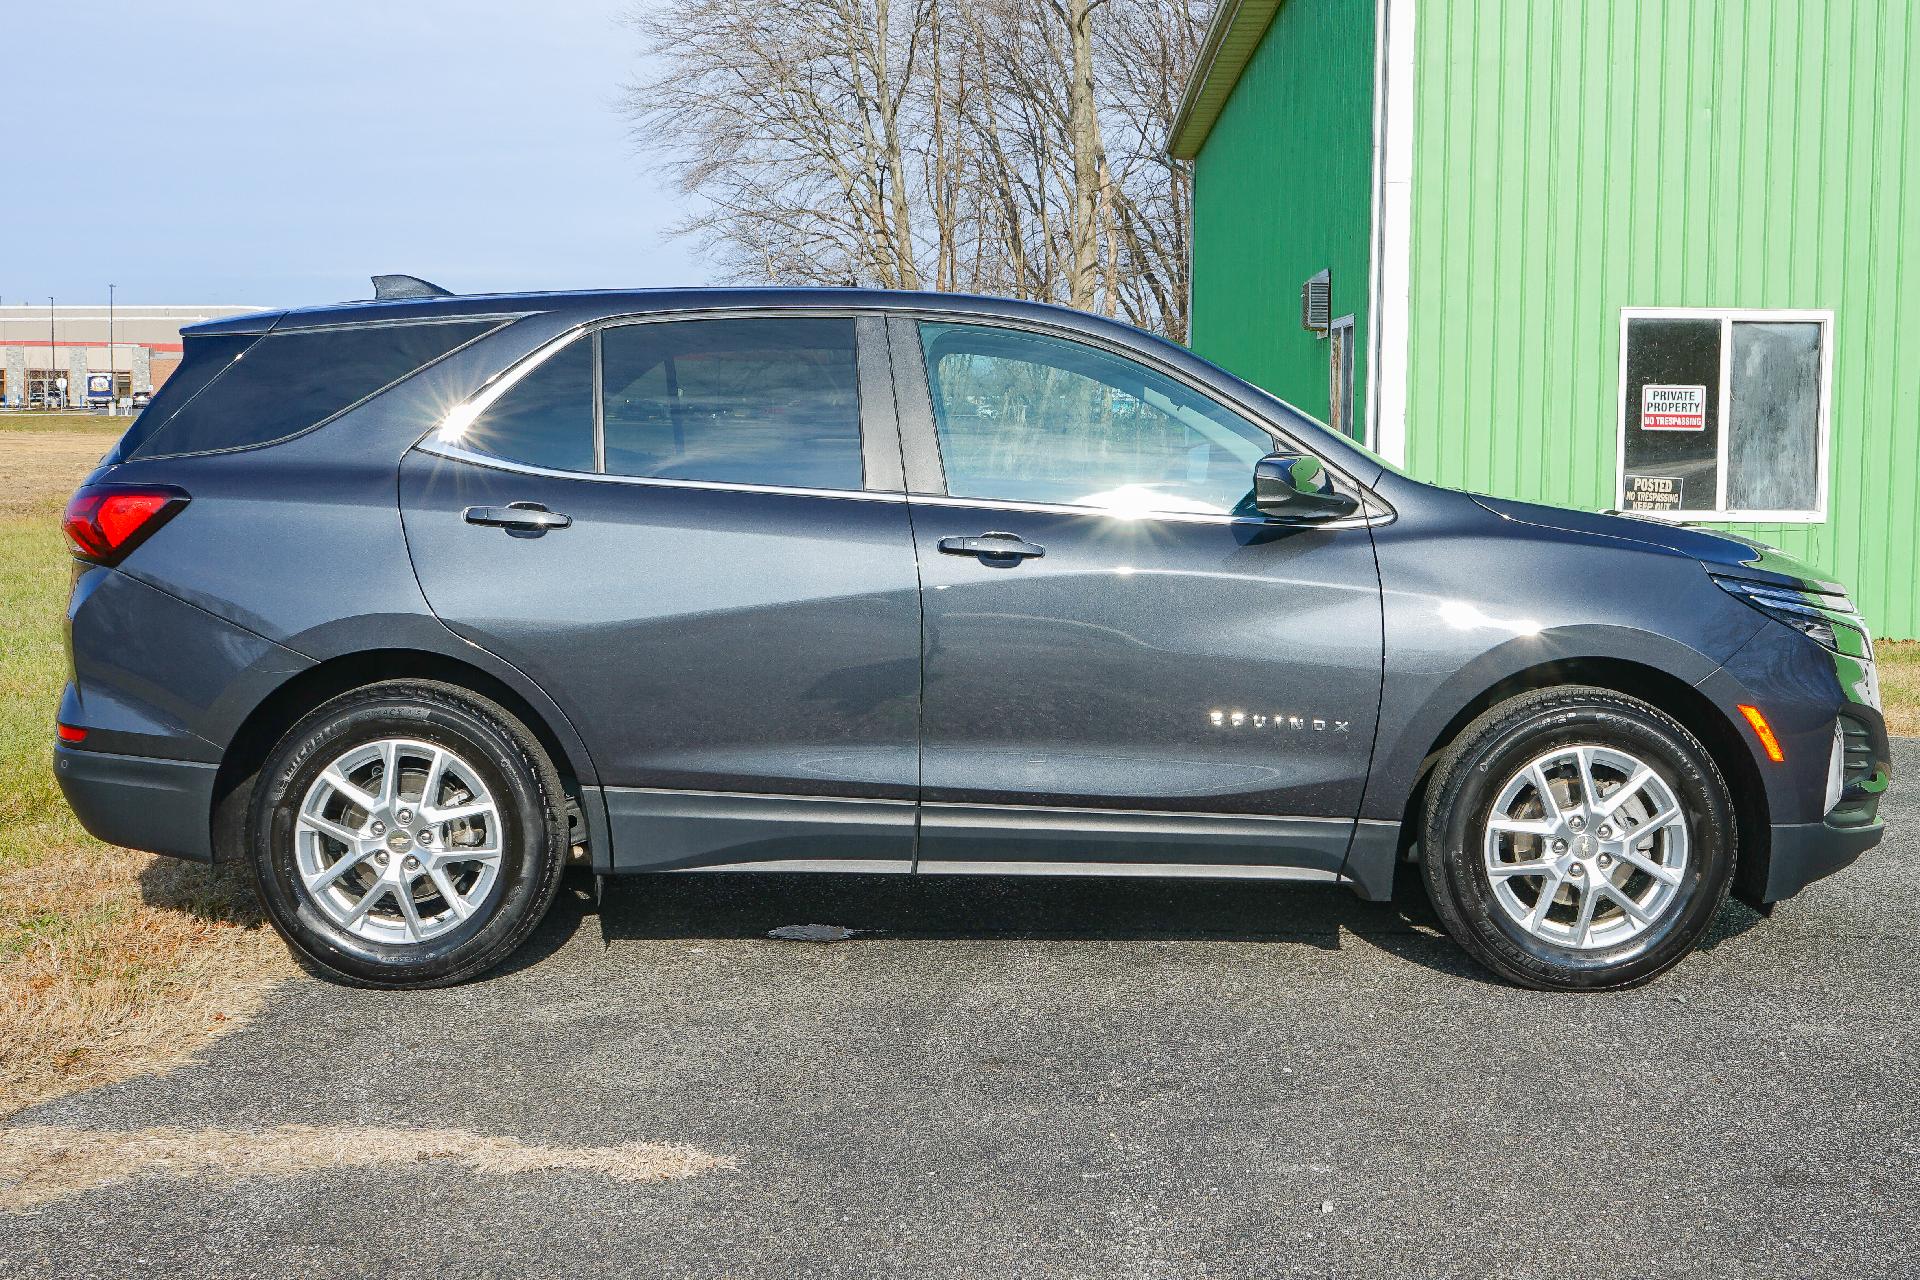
106	521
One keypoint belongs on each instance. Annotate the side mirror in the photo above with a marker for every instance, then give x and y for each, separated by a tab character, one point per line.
1297	487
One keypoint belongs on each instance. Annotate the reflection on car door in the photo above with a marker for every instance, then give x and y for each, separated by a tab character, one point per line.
1123	663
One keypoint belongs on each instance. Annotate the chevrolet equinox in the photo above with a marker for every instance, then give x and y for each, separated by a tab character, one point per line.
406	603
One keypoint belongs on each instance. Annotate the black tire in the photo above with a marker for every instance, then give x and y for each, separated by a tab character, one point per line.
513	767
1467	781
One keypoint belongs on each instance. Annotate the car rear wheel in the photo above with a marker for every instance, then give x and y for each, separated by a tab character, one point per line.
410	833
1577	839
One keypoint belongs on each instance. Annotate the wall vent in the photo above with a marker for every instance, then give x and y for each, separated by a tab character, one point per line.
1316	303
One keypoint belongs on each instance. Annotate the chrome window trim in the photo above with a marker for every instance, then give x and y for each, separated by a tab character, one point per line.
461	453
1371	515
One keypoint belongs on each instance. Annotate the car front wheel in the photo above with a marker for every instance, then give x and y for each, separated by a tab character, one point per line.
407	834
1577	839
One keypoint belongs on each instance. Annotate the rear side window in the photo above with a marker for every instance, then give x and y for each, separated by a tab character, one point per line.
287	382
751	401
546	418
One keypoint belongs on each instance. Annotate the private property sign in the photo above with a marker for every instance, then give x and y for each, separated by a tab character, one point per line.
1673	408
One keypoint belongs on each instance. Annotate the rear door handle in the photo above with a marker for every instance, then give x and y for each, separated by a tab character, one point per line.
518	515
994	546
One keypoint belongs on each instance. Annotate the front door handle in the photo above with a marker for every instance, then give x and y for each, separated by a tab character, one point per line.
530	516
993	546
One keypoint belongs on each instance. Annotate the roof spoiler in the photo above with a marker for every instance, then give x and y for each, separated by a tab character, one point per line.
398	286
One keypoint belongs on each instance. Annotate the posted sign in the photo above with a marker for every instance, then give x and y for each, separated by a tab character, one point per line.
1673	408
1655	493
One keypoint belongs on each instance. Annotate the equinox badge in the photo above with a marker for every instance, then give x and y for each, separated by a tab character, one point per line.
1277	720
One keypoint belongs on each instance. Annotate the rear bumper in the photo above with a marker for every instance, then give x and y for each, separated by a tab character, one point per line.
1805	851
161	806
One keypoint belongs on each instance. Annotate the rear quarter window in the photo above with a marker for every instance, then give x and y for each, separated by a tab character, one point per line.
287	382
201	361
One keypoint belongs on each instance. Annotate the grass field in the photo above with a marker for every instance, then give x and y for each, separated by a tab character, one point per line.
112	962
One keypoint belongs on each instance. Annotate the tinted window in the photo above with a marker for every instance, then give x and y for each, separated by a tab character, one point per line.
546	418
287	382
1024	417
1673	415
746	401
201	361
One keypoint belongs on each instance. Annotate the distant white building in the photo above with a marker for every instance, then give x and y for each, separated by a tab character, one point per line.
39	346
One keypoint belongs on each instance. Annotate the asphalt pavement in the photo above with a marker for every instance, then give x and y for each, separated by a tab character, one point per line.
1067	1078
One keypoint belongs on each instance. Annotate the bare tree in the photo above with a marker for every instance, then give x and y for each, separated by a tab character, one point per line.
996	146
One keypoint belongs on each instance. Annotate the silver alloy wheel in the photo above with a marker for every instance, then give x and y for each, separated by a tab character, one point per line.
1586	847
398	841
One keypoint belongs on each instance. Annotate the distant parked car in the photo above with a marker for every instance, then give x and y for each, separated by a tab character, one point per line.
421	595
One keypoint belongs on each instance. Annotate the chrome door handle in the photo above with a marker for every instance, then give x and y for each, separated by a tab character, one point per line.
518	515
993	546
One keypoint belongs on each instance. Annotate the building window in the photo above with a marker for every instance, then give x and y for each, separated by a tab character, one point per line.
1340	377
1724	413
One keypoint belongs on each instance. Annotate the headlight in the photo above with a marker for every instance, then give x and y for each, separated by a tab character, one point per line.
1832	625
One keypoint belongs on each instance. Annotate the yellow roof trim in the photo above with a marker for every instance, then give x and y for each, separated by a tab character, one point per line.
1231	39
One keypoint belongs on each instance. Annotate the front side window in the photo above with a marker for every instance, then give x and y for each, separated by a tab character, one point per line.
1025	417
748	401
1723	414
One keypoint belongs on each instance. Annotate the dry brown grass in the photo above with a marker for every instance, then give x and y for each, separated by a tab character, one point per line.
41	466
117	964
40	1163
112	963
1899	670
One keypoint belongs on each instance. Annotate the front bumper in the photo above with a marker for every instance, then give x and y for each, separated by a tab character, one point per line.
140	802
1807	692
1802	852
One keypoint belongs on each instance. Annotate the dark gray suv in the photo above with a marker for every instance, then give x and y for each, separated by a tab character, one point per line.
405	603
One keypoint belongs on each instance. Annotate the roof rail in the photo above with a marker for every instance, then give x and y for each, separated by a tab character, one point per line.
398	286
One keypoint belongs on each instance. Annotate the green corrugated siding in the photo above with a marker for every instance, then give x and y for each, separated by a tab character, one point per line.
1283	188
1572	159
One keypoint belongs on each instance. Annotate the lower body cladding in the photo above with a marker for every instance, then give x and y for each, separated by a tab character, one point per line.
165	806
140	802
725	831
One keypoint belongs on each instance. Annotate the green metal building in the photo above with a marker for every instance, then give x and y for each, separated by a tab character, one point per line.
1644	254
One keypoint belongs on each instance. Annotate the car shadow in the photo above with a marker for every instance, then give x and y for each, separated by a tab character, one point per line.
744	905
1063	909
220	893
1038	908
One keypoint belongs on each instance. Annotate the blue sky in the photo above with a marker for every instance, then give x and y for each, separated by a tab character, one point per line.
280	153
